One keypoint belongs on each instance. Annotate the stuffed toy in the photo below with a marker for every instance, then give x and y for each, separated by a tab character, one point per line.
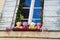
25	24
39	26
18	25
32	26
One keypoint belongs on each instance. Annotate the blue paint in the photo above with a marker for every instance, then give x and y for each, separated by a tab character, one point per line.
37	3
36	21
36	13
28	2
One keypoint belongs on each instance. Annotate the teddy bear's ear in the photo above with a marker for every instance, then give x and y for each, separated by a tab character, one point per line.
17	23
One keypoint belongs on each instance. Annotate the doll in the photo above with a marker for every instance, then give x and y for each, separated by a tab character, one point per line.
18	25
39	26
25	24
32	26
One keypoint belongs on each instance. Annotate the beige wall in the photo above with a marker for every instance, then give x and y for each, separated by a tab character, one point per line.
8	13
25	39
29	35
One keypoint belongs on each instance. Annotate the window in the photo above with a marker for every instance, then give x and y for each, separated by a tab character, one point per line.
24	8
30	11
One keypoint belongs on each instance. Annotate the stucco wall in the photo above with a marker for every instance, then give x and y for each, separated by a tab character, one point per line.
29	35
1	5
51	15
7	13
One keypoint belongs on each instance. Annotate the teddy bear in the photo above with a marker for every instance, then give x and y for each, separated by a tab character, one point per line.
32	26
39	26
18	25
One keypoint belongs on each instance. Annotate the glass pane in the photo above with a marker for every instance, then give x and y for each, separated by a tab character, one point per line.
22	14
23	11
37	2
36	15
25	14
25	3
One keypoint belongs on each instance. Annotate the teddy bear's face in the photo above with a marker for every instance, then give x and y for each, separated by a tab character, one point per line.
38	24
25	23
18	24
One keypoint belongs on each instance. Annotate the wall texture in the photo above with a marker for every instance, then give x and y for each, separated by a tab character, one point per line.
7	13
29	35
1	7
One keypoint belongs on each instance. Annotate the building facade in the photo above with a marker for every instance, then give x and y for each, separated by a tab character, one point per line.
8	9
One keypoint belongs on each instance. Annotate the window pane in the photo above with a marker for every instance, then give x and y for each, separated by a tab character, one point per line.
36	15
37	2
22	15
25	14
26	3
36	21
23	11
